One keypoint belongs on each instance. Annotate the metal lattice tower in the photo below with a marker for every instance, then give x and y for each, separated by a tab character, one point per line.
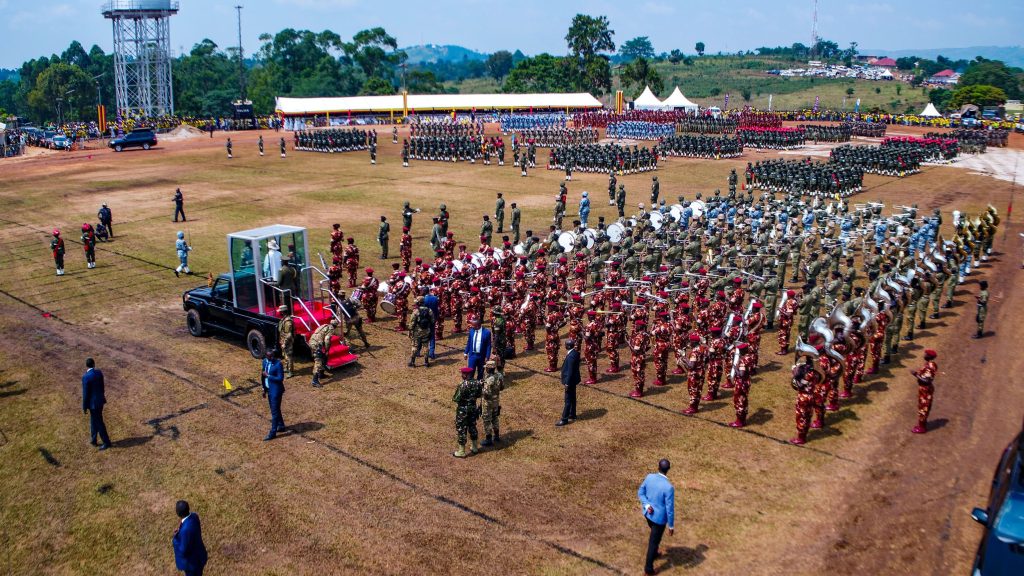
814	28
142	56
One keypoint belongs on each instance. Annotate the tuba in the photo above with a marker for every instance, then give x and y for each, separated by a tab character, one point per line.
839	318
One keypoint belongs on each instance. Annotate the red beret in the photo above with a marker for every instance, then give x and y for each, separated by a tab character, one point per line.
737	280
702	271
401	274
419	260
694	337
758	305
598	284
930	354
591	313
369	271
720	293
640	323
791	293
616	304
742	346
405	228
716	329
466	370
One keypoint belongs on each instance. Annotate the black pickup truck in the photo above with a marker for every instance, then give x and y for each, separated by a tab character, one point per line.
213	308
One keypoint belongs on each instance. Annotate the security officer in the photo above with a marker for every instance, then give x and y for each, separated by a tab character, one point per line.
494	383
319	342
286	338
382	237
655	189
466	411
982	309
516	217
499	213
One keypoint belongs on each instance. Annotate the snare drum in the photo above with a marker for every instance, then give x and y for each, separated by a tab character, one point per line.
388	303
357	294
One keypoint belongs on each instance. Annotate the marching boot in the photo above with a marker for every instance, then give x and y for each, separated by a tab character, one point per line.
948	304
487	441
977	335
921	428
426	361
886	359
461	452
799	440
933	316
909	337
497	436
475	448
316	381
412	362
770	326
920	325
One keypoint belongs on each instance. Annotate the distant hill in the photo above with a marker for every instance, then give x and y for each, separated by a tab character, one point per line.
439	53
1012	55
6	74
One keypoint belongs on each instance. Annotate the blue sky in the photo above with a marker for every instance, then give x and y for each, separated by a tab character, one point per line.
30	28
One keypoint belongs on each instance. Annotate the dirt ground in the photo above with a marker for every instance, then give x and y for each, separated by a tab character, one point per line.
366	482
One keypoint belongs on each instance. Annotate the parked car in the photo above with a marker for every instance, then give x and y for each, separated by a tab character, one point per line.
143	138
60	142
1001	551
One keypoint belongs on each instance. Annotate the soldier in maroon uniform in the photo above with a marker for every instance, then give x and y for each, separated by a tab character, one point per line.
717	350
337	238
696	362
405	248
616	325
528	320
351	261
591	346
639	342
552	324
805	380
370	295
786	314
662	333
830	372
925	390
743	369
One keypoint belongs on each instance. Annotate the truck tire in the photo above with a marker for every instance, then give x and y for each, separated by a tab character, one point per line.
145	146
195	323
117	148
257	343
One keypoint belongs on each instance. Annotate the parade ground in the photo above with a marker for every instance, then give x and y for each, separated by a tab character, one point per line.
365	482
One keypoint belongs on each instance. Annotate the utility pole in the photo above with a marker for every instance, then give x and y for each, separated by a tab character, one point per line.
241	59
403	66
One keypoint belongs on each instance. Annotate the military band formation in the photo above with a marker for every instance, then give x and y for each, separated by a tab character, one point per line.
689	289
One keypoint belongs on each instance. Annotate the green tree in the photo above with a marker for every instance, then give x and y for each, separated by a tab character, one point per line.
993	73
542	73
849	91
640	73
377	86
940	97
499	64
979	95
62	86
375	52
424	82
205	81
699	47
676	56
826	50
639	47
589	40
745	93
849	54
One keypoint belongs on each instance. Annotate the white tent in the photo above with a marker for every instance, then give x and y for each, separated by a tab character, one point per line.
930	111
433	102
648	101
677	100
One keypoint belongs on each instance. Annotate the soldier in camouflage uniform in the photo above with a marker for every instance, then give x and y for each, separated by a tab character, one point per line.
494	383
421	328
319	342
286	338
466	411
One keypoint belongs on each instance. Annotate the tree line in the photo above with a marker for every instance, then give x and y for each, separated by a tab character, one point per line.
306	63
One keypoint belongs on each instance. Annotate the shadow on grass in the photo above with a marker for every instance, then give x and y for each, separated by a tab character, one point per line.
49	457
937	424
508	440
305	427
8	384
131	442
9	393
761	416
592	414
683	557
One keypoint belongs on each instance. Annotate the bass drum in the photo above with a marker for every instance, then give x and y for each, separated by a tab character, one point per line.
388	304
616	232
590	237
698	208
676	212
458	265
567	240
477	260
499	255
520	249
657	220
383	287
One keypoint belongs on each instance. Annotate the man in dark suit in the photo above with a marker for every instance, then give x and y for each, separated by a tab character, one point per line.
431	301
570	378
189	550
478	348
93	401
273	388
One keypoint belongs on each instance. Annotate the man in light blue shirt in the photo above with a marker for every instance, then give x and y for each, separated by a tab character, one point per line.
584	209
657	499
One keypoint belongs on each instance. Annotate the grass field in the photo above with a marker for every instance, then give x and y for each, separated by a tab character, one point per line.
367	483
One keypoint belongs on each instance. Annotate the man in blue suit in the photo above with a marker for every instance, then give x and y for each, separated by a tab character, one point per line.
431	301
570	378
273	388
658	499
93	401
478	348
189	550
